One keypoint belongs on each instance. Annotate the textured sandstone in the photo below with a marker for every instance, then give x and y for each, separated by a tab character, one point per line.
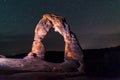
34	60
72	47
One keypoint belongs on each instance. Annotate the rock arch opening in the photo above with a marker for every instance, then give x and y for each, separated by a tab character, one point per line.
54	44
53	41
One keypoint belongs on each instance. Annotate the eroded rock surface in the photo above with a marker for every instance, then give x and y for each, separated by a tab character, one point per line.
72	48
73	59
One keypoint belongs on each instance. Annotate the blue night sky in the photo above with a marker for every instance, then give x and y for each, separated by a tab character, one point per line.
96	23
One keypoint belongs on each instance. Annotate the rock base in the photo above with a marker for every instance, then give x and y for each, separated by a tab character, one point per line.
36	64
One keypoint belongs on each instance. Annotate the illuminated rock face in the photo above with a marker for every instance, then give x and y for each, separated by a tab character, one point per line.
73	50
41	30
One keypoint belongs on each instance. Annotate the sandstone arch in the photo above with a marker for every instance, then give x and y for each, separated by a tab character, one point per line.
73	50
73	60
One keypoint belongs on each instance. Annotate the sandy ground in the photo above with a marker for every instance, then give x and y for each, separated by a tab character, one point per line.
52	76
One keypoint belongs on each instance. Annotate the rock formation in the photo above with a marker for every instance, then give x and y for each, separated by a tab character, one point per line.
72	48
34	61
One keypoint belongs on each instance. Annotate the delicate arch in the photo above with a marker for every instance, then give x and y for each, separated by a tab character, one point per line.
72	47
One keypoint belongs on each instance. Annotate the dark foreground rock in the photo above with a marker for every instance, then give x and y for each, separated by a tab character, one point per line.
52	76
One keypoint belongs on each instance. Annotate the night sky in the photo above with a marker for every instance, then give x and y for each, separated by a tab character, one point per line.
96	23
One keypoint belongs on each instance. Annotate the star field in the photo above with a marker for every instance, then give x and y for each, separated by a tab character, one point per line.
95	22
